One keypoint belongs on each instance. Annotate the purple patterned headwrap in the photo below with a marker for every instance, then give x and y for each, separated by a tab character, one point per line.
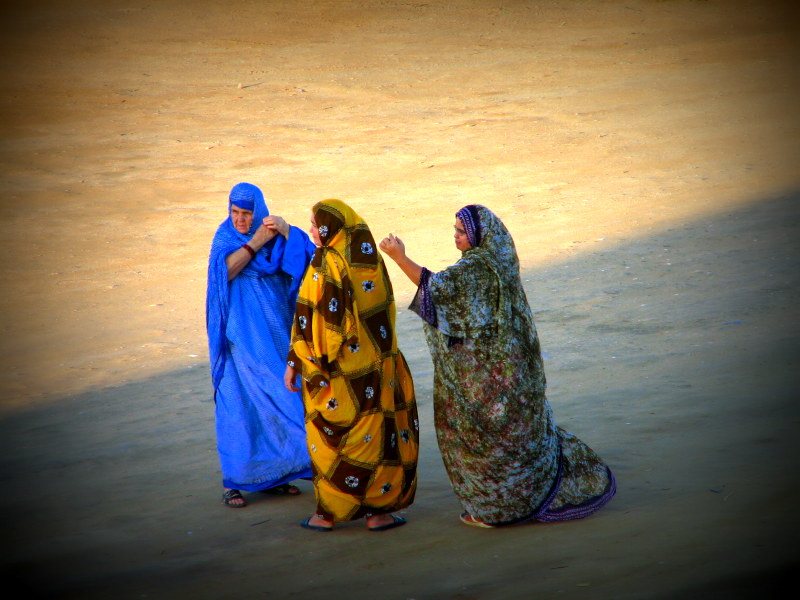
471	220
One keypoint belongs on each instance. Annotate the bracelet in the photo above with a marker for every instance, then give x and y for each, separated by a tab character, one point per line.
250	250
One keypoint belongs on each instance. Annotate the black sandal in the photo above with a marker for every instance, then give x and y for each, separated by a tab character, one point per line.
285	489
229	495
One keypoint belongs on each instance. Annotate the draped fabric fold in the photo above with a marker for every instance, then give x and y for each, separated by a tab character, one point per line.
506	458
361	414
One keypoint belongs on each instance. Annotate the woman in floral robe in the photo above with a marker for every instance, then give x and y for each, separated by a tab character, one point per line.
507	460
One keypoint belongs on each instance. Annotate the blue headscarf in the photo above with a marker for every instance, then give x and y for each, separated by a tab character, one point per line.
280	255
248	197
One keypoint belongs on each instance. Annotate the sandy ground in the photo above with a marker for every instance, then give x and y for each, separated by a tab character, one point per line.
645	155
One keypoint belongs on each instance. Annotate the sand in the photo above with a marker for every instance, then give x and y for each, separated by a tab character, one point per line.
644	154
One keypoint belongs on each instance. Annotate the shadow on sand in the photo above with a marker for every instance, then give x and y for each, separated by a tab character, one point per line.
674	356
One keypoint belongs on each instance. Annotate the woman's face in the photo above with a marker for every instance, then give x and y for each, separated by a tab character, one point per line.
242	219
314	231
462	241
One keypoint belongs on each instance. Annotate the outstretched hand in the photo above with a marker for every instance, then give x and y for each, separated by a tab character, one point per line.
393	247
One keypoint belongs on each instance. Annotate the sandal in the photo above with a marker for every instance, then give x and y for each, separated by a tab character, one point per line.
228	496
470	520
307	524
395	522
285	489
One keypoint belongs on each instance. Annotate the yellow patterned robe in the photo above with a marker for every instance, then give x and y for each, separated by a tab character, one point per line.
360	409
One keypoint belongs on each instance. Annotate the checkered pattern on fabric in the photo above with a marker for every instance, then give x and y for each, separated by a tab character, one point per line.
361	414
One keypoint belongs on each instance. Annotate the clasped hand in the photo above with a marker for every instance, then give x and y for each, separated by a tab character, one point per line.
271	226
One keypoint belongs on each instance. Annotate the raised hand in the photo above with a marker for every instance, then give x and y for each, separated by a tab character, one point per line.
393	247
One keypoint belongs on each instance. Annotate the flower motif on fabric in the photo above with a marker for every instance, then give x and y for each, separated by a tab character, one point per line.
385	488
323	384
290	363
383	331
367	438
354	348
302	321
404	435
351	481
366	248
323	231
497	409
416	424
333	404
393	440
368	285
315	277
369	393
313	447
333	305
328	430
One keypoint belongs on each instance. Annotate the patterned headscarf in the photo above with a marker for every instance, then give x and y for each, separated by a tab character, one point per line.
479	290
342	229
470	218
329	219
348	275
492	242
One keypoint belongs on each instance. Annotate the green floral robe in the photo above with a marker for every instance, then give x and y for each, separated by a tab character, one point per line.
506	458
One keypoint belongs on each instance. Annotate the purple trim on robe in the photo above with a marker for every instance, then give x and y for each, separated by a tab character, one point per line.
569	513
422	304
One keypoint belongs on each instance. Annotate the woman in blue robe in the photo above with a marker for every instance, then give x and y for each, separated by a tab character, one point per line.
255	267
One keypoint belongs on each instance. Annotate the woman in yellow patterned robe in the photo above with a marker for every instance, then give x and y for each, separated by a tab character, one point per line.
360	409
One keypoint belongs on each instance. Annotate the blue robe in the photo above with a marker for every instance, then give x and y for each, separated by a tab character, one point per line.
261	435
